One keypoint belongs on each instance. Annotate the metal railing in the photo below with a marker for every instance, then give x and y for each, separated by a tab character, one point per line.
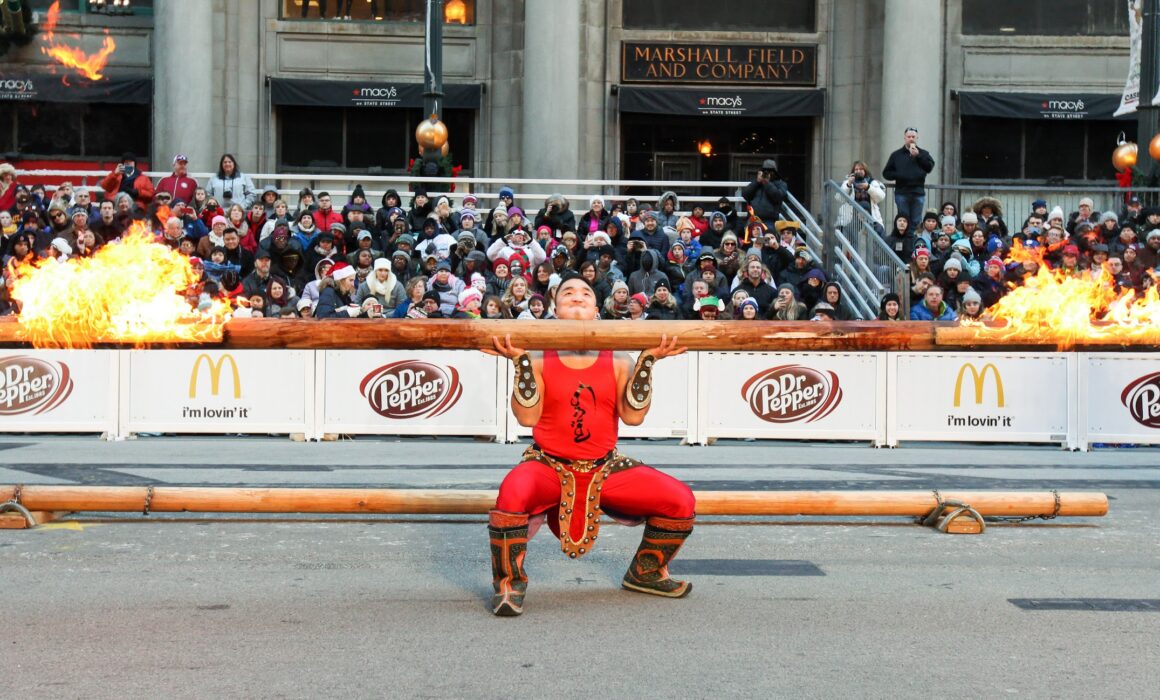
857	256
1016	199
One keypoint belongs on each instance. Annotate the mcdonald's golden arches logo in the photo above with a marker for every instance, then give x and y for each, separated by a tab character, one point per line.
215	374
980	378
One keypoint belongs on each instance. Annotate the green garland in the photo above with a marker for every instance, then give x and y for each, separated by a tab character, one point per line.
445	166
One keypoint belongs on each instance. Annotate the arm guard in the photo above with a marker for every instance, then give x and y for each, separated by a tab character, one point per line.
638	393
527	391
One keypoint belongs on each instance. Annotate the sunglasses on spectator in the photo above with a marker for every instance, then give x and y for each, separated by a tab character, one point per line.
58	215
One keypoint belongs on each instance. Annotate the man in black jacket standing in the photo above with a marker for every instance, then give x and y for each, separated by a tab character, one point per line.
908	168
767	192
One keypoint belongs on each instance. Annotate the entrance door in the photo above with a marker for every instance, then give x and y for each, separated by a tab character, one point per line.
678	166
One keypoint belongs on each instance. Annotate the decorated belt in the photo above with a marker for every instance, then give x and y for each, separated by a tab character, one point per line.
574	503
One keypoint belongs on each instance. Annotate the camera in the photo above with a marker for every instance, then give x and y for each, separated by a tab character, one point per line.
228	194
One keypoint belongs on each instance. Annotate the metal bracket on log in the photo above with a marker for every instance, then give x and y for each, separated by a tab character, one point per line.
961	519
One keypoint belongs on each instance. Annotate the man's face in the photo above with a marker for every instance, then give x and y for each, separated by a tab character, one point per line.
1115	266
575	301
718	224
700	289
262	265
1033	222
231	239
107	212
324	202
180	168
173	230
832	296
83	198
911	137
650	224
933	298
753	270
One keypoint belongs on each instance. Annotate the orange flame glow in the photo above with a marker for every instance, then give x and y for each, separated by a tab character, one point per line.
133	291
88	65
1071	308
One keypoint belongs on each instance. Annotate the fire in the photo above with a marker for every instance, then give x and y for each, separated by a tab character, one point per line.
87	65
1065	309
132	291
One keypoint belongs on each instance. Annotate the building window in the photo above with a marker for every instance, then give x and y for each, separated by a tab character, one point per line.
454	11
333	138
91	131
1040	151
1046	17
96	7
724	15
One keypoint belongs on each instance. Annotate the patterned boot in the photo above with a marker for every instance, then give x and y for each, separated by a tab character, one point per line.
509	542
649	570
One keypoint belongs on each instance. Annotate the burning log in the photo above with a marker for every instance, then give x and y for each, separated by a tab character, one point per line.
543	335
179	499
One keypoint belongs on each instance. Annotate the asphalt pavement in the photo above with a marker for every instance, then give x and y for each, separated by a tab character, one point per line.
121	605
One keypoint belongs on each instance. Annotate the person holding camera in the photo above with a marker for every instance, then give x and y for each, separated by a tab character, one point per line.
766	192
126	178
230	186
867	192
908	168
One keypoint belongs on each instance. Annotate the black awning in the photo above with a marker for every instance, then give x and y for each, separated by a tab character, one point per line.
338	93
1056	105
46	87
723	103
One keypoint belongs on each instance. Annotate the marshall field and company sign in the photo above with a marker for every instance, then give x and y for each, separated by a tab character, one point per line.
770	65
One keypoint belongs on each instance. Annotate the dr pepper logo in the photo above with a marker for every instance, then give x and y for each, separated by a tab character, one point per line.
32	385
411	389
792	393
1142	399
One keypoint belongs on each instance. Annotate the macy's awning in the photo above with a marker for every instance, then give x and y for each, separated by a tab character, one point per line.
342	93
46	87
1057	105
722	103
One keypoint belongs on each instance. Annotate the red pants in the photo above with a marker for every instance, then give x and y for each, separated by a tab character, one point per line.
638	492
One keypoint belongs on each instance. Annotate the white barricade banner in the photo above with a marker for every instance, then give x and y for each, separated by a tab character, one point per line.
420	392
1119	398
215	391
984	397
58	391
796	396
673	409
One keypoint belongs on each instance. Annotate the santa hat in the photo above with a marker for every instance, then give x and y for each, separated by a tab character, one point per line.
342	271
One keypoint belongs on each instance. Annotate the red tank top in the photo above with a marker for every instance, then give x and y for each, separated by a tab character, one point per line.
579	419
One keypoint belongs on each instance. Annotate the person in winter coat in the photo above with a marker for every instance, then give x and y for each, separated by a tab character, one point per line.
391	205
128	179
755	285
230	186
555	215
645	280
616	305
867	192
908	168
891	308
517	241
335	300
901	238
786	306
447	286
421	208
666	211
832	295
932	307
766	193
594	220
312	291
383	286
178	184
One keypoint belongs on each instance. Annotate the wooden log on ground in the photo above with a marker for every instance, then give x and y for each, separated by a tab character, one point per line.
178	499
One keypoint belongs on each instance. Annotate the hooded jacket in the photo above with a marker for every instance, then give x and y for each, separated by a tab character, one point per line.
663	219
560	218
644	281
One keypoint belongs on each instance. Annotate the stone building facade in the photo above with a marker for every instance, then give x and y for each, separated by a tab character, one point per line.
594	89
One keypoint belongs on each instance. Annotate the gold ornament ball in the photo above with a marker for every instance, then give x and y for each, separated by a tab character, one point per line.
1124	156
431	134
1154	147
446	149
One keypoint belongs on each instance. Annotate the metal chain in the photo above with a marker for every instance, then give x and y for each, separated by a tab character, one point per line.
1023	519
16	493
148	500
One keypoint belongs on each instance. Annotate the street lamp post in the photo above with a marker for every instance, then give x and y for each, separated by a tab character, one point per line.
1147	115
431	134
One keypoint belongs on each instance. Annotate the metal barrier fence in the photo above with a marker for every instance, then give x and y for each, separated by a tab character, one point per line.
857	256
1016	199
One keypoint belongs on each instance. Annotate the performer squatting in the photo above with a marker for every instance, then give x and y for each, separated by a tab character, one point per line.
572	472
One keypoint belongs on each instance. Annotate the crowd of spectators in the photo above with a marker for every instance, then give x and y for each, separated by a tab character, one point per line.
435	257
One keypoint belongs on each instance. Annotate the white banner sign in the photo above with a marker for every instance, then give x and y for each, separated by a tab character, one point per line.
421	392
1119	398
673	409
58	391
796	396
215	391
1009	397
1131	97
